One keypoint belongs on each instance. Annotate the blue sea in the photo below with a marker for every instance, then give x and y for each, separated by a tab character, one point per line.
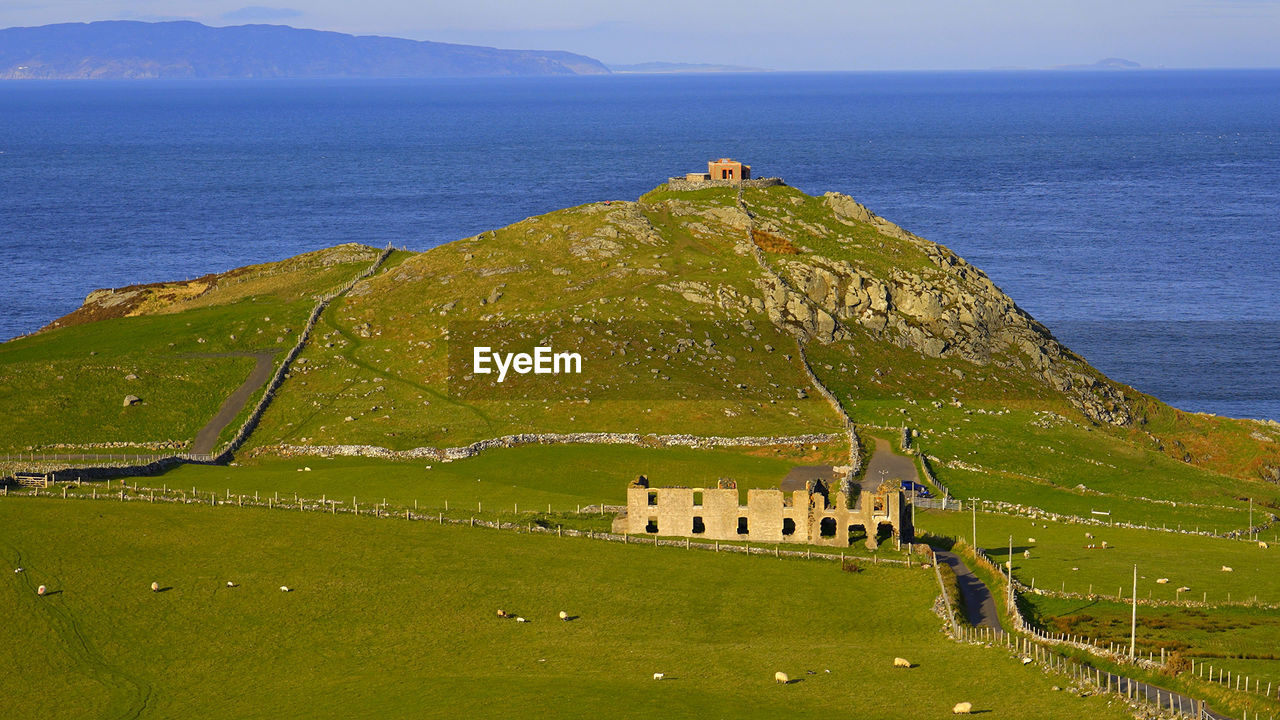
1137	214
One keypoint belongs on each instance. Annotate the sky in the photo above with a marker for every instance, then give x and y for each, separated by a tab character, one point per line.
790	35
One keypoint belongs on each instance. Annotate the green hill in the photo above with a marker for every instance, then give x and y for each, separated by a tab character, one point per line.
694	313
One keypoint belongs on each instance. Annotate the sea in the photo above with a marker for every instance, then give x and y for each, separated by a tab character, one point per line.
1136	213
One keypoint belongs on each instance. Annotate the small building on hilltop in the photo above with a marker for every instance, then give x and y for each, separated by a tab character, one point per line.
722	172
800	511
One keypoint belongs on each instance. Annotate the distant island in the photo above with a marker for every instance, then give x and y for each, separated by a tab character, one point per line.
178	50
1103	64
672	67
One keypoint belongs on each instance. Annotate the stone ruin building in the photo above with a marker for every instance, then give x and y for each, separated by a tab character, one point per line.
802	510
722	172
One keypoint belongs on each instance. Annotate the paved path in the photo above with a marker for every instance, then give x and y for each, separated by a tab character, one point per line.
207	439
887	465
979	605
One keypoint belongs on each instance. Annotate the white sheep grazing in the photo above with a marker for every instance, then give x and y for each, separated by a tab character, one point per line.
1104	544
781	678
520	619
564	615
963	708
155	587
285	588
1162	581
1183	589
17	570
1261	544
1026	553
659	676
1227	569
1089	535
1027	661
230	584
41	590
1031	540
901	662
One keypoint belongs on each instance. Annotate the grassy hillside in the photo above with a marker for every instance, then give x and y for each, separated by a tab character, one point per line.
398	618
180	347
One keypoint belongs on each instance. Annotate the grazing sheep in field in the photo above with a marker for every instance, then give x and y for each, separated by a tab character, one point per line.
1261	544
17	570
230	584
41	590
1183	589
1031	540
285	588
503	614
155	587
564	615
901	662
1089	535
1227	569
1026	554
963	708
1104	544
520	619
1027	661
659	676
781	678
1162	581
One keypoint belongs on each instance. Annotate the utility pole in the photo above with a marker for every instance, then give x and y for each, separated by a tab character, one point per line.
1133	621
1009	572
1250	516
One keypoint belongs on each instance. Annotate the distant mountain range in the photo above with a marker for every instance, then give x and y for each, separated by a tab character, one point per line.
136	50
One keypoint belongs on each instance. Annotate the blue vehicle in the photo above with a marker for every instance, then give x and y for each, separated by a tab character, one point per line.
921	490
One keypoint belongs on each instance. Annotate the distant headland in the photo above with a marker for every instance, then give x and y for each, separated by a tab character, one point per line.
183	50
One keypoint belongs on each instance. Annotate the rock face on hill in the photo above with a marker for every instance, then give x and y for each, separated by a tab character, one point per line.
172	50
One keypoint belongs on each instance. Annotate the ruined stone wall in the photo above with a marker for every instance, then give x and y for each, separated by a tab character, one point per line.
679	183
673	511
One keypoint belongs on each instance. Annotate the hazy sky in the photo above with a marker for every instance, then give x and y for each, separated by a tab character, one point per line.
786	35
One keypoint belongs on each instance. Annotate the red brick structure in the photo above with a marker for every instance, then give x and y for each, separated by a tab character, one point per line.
726	169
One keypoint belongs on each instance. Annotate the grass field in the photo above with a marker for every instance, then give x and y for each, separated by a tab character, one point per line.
1061	560
398	619
532	476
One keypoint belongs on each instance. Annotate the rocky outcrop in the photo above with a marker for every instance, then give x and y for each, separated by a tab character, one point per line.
950	309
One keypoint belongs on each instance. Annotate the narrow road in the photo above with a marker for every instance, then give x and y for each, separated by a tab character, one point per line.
979	605
207	439
887	465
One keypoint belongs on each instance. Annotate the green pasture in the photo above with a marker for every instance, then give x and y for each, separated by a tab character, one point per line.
1060	559
398	619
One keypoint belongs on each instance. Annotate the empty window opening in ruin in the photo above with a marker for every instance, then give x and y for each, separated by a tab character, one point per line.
788	526
884	532
697	498
698	526
828	527
857	532
879	504
742	526
653	498
652	527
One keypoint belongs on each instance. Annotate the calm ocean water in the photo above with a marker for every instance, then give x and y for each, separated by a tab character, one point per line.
1135	214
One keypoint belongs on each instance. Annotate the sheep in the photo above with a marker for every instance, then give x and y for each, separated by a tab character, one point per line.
1089	535
41	590
155	587
230	584
17	570
1031	540
564	615
285	588
1104	544
1162	581
1261	545
1027	661
1227	569
901	662
963	708
781	678
1026	554
520	619
503	613
1183	589
659	676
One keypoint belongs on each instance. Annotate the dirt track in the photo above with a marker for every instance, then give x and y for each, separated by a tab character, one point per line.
207	439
